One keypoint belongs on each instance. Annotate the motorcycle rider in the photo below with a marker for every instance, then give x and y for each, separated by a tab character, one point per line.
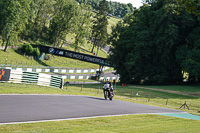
108	90
110	84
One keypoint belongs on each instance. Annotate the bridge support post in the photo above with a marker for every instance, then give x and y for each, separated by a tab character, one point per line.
99	73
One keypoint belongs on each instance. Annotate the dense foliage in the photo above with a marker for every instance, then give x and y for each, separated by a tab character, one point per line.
99	29
50	21
114	8
27	49
157	45
47	21
14	16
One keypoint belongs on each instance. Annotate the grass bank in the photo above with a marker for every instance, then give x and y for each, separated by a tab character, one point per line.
130	123
127	93
120	124
13	58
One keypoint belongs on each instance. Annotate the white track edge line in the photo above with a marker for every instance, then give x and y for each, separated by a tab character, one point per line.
81	118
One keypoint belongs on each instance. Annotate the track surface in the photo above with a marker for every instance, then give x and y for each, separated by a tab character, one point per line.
26	108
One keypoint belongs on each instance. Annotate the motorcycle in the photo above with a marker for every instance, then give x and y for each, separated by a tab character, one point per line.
108	91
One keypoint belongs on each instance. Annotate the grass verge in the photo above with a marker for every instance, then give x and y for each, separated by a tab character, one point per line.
120	124
127	93
12	58
130	123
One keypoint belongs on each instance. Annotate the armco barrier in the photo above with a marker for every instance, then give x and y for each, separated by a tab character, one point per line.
53	69
35	78
87	77
76	70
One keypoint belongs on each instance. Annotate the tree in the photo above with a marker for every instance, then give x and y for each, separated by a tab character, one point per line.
63	20
191	6
114	8
83	24
40	14
36	52
188	55
156	46
99	30
14	16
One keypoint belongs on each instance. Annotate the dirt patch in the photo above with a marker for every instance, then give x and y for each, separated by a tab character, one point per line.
197	94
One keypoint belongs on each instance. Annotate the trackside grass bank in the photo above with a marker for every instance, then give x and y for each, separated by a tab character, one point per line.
11	57
119	124
167	99
131	123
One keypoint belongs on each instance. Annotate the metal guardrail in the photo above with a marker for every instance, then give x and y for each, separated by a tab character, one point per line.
45	67
36	79
80	83
51	68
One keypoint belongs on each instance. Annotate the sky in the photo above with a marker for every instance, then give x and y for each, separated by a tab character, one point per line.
135	3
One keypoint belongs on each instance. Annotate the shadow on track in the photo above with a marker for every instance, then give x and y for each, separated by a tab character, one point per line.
96	98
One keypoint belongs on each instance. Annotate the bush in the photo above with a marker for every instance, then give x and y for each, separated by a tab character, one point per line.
29	50
47	57
23	48
36	52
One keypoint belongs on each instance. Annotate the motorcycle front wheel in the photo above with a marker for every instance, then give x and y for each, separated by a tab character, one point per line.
110	96
105	95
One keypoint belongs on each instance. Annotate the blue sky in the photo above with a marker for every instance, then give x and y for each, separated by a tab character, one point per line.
135	3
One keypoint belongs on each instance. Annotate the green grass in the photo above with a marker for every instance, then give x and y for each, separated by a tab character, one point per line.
159	98
13	58
112	22
120	124
130	123
180	88
149	97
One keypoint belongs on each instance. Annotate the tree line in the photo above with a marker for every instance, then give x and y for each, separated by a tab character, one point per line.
50	21
155	44
158	43
114	8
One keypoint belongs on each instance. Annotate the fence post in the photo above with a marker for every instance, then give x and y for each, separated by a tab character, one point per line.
82	87
82	84
98	90
67	85
149	98
185	105
167	101
131	94
115	90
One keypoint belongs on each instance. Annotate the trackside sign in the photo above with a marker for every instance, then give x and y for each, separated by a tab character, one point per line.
73	55
4	74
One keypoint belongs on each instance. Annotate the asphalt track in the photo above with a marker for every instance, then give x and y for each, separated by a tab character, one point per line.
35	108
